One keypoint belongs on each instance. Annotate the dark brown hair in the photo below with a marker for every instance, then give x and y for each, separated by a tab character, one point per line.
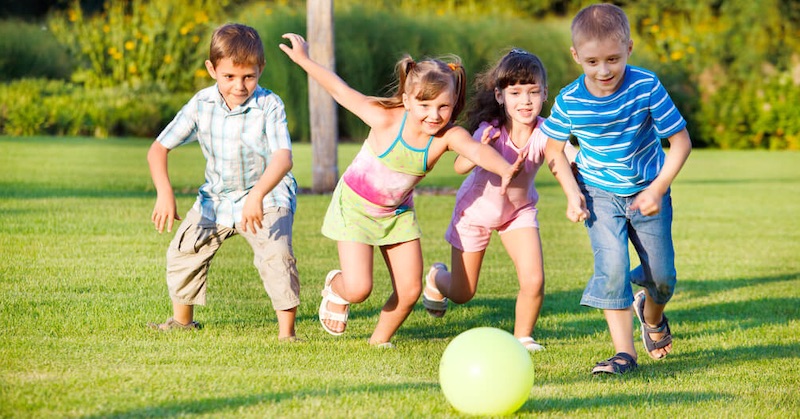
516	67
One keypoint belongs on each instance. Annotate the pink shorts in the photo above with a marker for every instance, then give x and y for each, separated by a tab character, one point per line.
468	233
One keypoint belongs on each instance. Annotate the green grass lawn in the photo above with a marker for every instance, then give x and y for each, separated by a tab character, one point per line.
82	272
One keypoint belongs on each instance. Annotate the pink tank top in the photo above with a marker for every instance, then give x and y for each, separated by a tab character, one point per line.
388	180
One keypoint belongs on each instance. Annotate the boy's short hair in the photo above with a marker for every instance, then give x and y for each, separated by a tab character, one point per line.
238	42
600	21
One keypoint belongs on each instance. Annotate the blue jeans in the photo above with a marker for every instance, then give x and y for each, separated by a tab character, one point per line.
611	224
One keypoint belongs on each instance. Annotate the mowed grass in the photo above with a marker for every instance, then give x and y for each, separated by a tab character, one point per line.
82	272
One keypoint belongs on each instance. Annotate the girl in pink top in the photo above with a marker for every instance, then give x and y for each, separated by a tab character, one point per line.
372	205
508	100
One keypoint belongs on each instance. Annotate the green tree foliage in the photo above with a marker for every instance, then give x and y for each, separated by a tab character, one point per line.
742	56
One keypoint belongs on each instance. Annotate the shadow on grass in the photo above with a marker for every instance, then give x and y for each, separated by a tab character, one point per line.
726	316
210	406
583	404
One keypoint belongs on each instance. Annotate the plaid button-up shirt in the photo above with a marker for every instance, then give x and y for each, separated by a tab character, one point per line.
238	145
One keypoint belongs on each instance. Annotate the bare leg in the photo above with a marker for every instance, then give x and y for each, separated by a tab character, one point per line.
182	313
354	284
653	313
404	261
620	326
286	320
525	249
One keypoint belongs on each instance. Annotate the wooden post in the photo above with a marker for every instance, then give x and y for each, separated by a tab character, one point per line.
322	107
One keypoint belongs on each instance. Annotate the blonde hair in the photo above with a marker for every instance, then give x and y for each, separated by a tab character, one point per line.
428	79
600	21
238	42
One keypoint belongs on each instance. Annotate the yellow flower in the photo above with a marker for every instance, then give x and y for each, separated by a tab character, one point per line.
200	73
132	68
654	29
106	29
184	30
167	59
676	55
72	15
112	51
129	45
195	39
200	17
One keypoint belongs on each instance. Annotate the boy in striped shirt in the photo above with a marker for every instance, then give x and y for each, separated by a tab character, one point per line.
619	114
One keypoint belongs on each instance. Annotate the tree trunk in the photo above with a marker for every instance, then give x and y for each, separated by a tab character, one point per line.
322	107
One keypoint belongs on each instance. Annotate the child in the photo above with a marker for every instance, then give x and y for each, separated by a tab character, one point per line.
619	114
509	99
249	189
373	203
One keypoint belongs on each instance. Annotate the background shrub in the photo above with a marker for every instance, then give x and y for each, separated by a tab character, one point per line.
367	62
31	50
140	42
732	66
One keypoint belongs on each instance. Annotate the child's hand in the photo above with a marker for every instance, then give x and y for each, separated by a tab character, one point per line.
648	202
576	209
299	49
514	170
489	135
164	214
252	214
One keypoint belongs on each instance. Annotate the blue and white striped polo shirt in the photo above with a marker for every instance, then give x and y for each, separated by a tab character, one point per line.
619	135
238	145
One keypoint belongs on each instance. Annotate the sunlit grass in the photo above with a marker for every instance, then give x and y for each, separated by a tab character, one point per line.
82	272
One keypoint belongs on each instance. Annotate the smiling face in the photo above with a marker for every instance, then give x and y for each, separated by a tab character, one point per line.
603	62
431	114
522	102
236	83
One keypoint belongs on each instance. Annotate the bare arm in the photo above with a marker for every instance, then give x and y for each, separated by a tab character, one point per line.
354	101
253	211
560	166
462	165
165	211
648	202
483	155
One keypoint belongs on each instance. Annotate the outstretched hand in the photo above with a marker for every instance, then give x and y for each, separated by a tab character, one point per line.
299	48
489	135
514	170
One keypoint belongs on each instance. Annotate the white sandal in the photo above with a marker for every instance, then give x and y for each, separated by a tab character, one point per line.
530	344
328	296
436	308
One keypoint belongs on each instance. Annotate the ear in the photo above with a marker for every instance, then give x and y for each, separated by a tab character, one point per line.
498	96
211	71
574	53
630	47
405	101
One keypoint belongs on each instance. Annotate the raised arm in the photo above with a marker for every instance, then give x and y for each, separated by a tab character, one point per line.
353	100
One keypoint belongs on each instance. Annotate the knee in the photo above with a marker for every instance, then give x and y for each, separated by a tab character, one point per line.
462	296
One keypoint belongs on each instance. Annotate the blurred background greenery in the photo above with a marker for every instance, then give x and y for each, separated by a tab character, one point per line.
124	68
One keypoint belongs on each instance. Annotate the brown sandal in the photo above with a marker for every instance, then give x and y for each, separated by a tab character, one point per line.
172	324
